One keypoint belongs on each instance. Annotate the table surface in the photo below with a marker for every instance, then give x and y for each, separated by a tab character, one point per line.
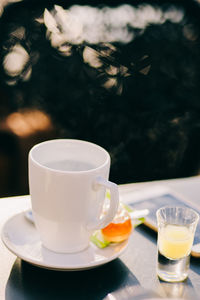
133	275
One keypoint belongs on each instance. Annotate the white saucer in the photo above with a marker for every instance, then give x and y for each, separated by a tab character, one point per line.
21	237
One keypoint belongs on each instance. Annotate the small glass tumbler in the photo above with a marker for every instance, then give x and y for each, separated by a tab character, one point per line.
176	229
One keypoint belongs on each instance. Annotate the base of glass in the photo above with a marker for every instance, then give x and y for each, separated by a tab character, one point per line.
166	276
172	270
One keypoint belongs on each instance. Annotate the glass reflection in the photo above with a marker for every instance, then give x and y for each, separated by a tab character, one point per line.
15	61
27	122
93	25
79	25
4	3
125	76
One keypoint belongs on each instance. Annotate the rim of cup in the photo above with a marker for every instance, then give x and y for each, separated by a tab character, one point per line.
76	141
195	214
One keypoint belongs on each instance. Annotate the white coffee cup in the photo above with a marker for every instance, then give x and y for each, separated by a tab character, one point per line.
67	182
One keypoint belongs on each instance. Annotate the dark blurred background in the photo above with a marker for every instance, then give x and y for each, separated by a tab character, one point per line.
122	74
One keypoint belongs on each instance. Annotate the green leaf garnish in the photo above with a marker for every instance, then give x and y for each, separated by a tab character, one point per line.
127	207
138	222
108	194
98	240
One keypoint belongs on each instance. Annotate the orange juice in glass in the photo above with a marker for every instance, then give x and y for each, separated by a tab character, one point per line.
176	228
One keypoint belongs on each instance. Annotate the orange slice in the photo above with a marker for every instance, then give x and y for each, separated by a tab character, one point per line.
117	232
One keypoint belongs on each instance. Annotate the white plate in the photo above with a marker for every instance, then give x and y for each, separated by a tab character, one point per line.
21	237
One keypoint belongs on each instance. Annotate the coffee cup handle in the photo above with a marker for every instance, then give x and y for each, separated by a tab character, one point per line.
113	207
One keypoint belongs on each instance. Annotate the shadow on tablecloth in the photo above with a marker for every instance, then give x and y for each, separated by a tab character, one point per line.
30	282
